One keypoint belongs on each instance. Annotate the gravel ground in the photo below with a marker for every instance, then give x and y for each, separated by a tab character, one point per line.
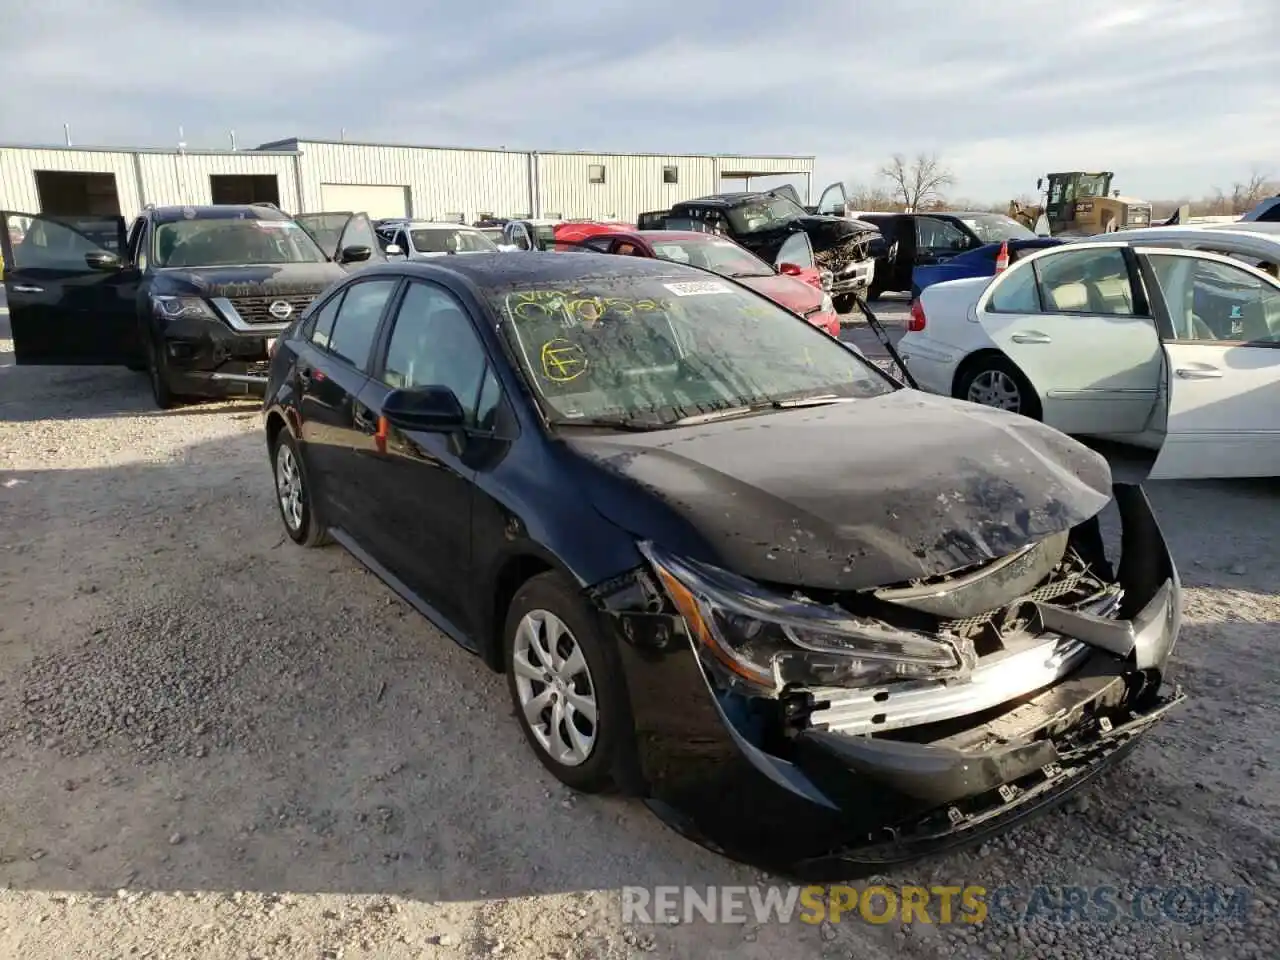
214	744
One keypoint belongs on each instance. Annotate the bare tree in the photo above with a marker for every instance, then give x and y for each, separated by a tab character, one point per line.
1245	196
917	183
871	199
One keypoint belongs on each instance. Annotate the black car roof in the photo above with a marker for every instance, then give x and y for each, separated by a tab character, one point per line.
220	211
504	270
726	199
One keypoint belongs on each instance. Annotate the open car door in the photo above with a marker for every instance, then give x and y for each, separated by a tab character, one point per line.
69	291
1221	334
342	234
833	202
1070	319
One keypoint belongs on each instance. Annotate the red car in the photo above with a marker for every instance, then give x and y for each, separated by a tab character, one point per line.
788	286
575	231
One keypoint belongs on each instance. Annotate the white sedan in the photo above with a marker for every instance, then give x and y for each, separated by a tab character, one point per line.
1166	347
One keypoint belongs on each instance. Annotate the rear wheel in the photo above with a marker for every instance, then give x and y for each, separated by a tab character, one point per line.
566	683
303	522
994	380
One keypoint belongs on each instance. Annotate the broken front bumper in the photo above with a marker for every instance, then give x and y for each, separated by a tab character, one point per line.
853	278
205	357
826	785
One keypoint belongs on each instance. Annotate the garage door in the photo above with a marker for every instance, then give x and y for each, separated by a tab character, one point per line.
377	201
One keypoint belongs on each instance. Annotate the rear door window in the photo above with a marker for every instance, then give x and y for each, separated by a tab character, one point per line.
357	320
1086	281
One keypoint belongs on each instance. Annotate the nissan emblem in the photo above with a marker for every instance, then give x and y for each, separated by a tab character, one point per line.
280	310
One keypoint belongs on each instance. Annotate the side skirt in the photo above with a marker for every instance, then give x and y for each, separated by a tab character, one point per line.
402	590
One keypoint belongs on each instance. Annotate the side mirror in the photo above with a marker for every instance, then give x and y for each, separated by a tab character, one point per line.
789	269
102	260
431	409
354	254
393	250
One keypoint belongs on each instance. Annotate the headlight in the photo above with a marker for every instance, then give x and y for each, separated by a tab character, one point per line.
828	305
770	641
183	308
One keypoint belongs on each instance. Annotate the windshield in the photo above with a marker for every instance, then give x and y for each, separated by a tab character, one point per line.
224	242
766	213
440	240
648	352
1094	185
721	256
994	227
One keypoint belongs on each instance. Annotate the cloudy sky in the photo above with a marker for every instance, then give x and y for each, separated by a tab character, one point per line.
1176	96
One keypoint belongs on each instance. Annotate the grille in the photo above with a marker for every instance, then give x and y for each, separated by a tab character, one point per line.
256	309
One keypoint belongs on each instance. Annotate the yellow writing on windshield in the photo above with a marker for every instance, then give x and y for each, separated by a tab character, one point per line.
569	306
563	360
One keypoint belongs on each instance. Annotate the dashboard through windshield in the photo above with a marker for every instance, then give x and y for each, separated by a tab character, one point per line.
651	351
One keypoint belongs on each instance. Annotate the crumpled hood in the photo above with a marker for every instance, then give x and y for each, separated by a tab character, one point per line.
823	230
850	496
255	280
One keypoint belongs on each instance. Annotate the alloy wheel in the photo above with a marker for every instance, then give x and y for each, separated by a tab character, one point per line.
555	688
289	487
995	388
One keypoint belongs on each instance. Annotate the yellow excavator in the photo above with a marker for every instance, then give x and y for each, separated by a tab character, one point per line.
1081	204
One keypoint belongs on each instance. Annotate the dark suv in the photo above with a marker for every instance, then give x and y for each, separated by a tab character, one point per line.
193	295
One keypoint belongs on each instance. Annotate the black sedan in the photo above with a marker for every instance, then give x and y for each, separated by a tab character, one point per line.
820	622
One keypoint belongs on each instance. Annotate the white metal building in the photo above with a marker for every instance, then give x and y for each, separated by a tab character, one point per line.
446	183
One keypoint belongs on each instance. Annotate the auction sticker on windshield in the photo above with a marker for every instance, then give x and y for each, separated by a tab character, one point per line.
697	288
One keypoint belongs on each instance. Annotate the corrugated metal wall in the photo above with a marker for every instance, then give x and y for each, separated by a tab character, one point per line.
632	184
439	181
18	182
170	178
141	178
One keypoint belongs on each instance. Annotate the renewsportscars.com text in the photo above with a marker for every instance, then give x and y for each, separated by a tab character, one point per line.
941	904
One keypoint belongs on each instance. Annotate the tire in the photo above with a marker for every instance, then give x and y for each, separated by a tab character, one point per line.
158	374
541	608
303	521
844	303
996	374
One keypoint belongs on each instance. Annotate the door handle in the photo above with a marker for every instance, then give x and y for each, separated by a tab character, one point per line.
26	288
1030	336
1199	373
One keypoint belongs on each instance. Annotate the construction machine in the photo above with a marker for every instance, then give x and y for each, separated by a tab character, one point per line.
1082	204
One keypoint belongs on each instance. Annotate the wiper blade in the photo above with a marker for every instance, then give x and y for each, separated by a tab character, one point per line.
611	423
818	401
743	411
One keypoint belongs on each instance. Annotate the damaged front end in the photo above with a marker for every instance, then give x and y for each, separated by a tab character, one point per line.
851	730
846	255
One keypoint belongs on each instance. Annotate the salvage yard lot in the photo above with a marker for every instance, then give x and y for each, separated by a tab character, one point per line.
214	744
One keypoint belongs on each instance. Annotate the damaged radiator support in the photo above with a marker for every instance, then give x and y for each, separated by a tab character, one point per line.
1021	654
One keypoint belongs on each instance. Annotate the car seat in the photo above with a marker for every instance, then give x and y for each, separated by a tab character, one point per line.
1106	288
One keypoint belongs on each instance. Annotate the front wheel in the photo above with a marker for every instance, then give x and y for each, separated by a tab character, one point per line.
566	683
158	374
996	381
